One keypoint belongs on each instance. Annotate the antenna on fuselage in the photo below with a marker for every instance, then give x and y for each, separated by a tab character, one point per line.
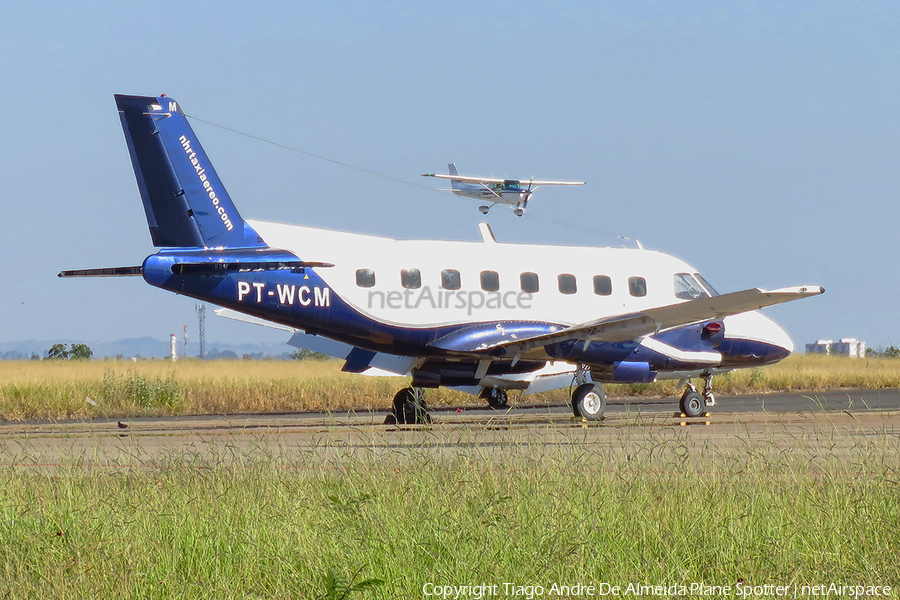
487	234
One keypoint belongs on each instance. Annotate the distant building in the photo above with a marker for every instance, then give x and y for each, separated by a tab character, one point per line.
851	347
820	347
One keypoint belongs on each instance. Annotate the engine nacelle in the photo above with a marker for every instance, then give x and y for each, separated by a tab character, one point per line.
625	372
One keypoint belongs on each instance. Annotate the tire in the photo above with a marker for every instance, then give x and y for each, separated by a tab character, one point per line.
692	404
589	402
409	408
496	398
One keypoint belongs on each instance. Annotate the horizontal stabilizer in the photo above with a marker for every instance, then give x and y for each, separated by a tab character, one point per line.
238	316
209	268
108	272
372	364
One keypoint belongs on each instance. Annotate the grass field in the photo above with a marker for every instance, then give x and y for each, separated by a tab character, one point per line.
654	511
650	508
77	389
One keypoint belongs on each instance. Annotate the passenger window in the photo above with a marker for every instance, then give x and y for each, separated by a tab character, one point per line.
365	277
490	281
411	278
687	288
637	286
567	284
450	279
602	285
529	282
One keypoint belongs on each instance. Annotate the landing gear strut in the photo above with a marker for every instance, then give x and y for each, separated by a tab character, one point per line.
496	398
693	403
519	210
410	408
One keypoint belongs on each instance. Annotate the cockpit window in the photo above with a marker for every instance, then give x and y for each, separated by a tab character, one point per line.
687	288
712	291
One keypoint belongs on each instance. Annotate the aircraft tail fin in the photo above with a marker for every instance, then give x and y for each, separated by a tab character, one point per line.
452	169
185	201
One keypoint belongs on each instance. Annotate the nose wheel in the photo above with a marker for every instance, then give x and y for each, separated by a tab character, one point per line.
693	403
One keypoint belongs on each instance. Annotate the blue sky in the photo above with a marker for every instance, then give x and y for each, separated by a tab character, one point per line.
758	141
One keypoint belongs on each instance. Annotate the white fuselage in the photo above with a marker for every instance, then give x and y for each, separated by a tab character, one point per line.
432	304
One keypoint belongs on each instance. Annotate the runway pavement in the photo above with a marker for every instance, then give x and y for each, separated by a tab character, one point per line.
851	416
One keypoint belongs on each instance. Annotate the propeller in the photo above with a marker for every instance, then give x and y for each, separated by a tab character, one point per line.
528	193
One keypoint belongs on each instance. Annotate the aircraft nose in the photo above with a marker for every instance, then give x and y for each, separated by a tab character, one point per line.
753	338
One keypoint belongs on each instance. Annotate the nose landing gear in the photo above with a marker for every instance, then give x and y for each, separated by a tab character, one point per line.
693	403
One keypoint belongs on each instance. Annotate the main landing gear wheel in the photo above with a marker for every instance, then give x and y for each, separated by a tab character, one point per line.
518	211
692	404
484	209
589	401
496	398
410	408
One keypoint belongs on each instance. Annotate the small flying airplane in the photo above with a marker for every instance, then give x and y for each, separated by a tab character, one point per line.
499	191
481	317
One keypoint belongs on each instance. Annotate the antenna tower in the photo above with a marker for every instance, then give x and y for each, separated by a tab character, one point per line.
201	317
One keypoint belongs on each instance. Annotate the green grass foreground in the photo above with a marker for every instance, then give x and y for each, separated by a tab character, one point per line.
99	388
661	511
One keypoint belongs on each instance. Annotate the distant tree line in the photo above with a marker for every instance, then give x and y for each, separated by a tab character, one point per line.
889	352
64	352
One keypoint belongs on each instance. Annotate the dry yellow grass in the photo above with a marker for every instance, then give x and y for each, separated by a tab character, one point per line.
84	389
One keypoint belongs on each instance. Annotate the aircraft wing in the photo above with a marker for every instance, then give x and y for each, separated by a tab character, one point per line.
537	182
467	179
624	327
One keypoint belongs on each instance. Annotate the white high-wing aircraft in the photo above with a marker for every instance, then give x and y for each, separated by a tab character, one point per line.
484	317
498	191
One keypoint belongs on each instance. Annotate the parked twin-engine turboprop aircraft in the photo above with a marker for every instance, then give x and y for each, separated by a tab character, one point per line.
483	317
497	191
